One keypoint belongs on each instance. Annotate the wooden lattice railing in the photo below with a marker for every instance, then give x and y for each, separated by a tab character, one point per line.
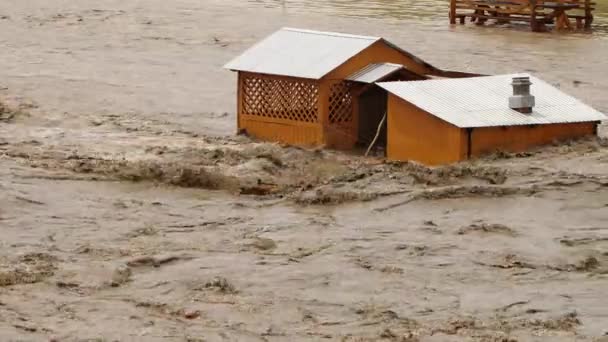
280	98
341	104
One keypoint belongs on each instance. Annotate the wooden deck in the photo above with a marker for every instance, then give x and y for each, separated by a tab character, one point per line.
538	13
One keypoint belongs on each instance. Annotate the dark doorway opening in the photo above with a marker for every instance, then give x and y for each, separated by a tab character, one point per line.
372	104
372	108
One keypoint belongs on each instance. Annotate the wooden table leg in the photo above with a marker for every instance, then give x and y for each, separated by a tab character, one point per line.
588	15
452	11
562	22
481	21
533	22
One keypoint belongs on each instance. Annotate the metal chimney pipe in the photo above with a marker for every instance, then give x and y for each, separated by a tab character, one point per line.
521	101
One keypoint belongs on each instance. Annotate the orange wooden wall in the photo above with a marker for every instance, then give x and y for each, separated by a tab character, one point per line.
414	134
521	138
378	52
299	134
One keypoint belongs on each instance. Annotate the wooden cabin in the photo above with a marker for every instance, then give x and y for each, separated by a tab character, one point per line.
335	90
314	88
537	13
450	120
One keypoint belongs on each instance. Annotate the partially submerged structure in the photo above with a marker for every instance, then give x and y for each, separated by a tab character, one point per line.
335	90
317	88
449	120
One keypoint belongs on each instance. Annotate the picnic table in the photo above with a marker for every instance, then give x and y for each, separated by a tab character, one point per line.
538	13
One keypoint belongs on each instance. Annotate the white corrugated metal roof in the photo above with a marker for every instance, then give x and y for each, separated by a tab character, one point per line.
484	101
374	72
300	53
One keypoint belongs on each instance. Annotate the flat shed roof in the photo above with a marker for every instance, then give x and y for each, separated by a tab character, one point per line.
374	72
484	101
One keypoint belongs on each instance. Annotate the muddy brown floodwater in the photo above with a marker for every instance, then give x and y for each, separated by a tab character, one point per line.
129	212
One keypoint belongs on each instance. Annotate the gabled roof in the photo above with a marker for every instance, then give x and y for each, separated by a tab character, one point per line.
305	53
484	101
374	72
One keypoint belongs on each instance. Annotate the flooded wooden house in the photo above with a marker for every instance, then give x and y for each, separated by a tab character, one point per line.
334	90
314	88
449	120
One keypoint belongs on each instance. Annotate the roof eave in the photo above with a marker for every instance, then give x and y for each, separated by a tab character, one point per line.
273	75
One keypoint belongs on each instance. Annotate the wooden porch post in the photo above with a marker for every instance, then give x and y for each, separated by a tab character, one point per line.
533	23
239	101
588	15
323	110
452	11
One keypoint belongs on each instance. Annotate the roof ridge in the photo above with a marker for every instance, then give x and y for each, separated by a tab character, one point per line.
332	34
463	79
385	63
